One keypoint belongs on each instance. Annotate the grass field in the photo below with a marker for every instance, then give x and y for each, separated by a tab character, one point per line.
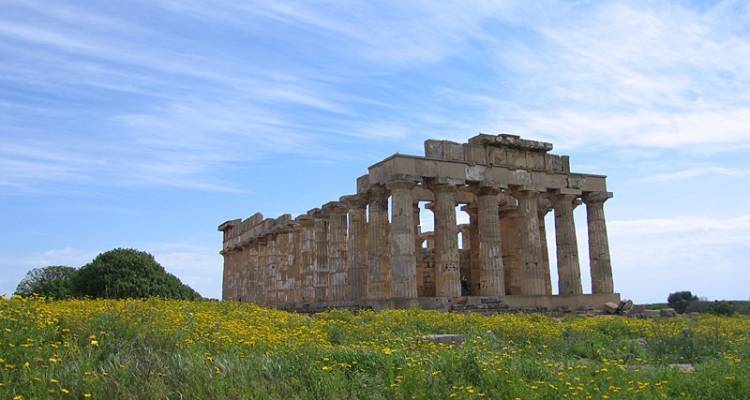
154	349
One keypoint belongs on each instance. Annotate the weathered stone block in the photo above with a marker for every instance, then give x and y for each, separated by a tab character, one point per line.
668	312
683	367
498	156
517	158
610	307
651	313
444	338
535	161
475	154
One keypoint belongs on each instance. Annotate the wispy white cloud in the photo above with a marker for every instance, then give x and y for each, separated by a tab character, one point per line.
389	33
15	268
696	172
686	224
661	75
614	74
717	130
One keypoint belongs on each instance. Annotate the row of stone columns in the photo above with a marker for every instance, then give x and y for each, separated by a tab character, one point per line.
335	255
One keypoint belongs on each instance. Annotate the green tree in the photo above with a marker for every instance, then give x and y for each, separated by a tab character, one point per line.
55	282
681	300
129	273
721	307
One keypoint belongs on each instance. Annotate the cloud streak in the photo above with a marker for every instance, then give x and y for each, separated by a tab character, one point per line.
696	172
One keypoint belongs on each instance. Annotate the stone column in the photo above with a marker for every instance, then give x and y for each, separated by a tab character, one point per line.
337	252
379	271
262	294
418	251
447	274
568	268
226	275
320	275
272	258
531	244
243	283
599	260
252	295
308	259
428	264
295	266
489	244
234	262
471	244
282	277
403	252
511	249
357	247
545	205
239	272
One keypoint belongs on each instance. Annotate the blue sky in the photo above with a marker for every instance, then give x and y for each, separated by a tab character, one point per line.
146	124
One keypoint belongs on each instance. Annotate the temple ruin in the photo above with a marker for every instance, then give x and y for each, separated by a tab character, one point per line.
367	250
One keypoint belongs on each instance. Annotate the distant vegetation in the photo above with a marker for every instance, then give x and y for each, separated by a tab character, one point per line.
55	282
680	300
685	301
115	274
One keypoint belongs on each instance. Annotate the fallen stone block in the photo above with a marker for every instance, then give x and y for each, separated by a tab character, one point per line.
625	306
444	338
651	313
683	367
668	312
610	307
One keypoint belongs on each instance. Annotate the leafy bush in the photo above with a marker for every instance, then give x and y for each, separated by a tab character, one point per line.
52	282
129	273
680	300
721	308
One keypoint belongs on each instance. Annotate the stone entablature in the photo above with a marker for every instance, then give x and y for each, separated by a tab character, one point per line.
350	253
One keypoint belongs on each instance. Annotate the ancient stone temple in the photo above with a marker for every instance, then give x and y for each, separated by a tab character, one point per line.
368	249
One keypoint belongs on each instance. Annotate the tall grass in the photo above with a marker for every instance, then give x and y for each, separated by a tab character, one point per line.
159	349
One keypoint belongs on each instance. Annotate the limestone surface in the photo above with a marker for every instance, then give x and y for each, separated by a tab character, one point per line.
368	249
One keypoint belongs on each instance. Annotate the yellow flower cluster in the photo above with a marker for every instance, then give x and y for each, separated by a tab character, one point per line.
60	346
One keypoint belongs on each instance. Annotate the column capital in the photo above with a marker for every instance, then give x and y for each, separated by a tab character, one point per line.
487	187
354	201
561	198
506	201
334	207
526	192
376	192
444	184
544	205
316	213
287	228
470	208
304	219
400	184
488	190
596	197
519	191
443	187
